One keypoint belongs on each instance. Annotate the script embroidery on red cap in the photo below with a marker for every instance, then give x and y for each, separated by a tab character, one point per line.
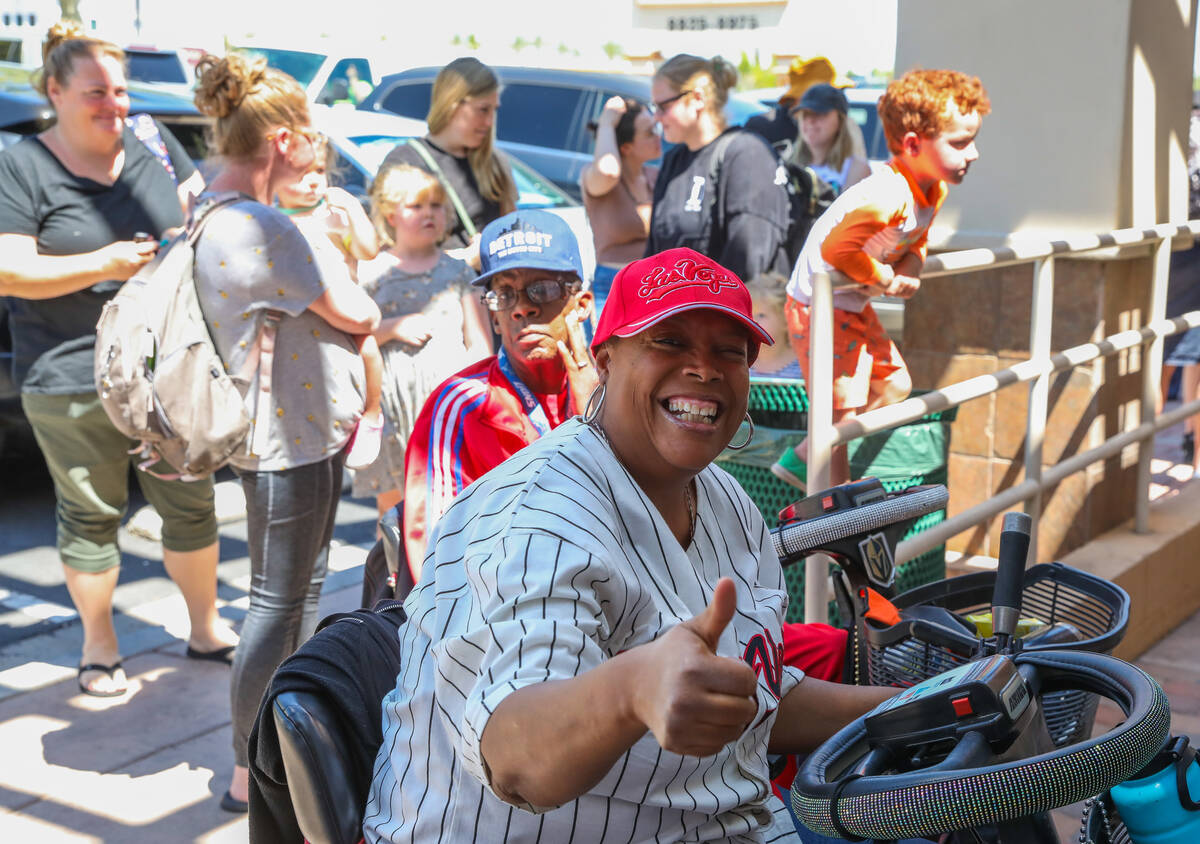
685	273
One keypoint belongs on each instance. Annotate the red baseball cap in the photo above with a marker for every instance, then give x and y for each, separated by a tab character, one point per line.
671	282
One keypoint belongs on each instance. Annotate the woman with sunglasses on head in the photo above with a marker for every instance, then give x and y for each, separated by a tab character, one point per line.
82	208
593	647
742	220
618	187
266	297
460	151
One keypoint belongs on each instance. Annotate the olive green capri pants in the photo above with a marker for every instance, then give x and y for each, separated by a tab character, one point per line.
89	462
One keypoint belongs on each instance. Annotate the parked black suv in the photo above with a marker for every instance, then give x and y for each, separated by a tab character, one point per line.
543	112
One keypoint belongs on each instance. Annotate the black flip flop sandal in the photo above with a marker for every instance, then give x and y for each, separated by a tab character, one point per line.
110	670
224	655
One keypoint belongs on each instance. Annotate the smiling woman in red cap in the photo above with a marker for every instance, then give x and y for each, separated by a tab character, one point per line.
596	635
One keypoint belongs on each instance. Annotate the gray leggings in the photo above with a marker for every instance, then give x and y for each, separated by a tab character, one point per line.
290	522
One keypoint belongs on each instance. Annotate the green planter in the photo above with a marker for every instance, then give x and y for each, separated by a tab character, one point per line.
907	456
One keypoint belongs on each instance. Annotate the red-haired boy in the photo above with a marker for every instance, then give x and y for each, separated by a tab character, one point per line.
875	235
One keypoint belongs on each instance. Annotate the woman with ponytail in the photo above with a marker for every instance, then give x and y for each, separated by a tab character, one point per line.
460	151
742	220
254	270
83	206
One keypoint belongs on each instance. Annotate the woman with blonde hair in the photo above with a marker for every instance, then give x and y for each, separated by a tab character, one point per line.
433	321
82	208
460	151
262	291
741	221
827	138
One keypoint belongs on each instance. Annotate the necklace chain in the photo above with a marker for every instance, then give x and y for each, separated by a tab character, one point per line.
688	499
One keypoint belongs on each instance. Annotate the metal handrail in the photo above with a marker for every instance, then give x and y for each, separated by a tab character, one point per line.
1036	371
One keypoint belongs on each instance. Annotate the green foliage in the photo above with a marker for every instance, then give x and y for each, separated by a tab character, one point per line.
612	49
751	76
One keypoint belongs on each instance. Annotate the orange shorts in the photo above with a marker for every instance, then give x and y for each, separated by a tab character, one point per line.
863	354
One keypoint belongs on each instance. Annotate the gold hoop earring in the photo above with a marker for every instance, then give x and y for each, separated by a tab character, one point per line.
590	413
749	436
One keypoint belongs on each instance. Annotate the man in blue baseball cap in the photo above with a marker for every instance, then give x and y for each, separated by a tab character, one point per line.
542	375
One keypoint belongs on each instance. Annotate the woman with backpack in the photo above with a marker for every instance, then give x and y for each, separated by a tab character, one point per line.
82	208
263	292
721	191
460	151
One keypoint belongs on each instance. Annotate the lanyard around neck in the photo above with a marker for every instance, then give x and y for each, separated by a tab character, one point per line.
532	407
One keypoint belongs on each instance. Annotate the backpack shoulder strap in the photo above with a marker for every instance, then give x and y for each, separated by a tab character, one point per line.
713	185
203	211
463	217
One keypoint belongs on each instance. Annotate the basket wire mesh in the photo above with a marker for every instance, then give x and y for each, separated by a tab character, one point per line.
1052	594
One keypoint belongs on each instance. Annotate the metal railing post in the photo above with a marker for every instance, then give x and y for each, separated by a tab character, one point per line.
1040	327
1151	381
820	434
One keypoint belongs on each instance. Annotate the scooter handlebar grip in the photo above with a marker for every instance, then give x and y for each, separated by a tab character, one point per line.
1010	573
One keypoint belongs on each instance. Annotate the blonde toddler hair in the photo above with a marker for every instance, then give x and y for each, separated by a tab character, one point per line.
397	185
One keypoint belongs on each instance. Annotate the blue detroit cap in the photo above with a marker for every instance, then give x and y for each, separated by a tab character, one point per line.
530	239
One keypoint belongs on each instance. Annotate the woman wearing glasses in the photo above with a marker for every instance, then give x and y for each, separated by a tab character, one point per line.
741	221
264	295
618	187
460	151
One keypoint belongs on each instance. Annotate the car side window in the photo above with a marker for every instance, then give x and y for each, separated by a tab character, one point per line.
408	99
346	85
541	115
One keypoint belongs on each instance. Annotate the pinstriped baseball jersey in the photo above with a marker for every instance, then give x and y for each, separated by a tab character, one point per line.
545	567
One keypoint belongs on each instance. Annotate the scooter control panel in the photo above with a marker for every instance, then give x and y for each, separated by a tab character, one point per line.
844	497
988	695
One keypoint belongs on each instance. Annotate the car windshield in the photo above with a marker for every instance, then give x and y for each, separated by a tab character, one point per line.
299	65
372	149
155	67
533	190
867	118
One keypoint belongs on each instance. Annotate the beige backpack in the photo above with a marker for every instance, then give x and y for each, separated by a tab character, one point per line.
158	373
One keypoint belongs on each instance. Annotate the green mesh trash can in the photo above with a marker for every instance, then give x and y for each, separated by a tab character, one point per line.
904	457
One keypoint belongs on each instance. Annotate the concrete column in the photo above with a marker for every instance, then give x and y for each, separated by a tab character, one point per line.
1090	106
1088	133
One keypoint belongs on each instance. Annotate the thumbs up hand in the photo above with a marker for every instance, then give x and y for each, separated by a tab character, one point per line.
693	701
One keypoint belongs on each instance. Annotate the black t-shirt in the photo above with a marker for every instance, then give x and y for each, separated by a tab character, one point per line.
53	339
461	178
777	126
750	215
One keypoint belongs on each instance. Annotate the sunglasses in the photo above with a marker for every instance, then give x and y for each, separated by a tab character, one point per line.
543	291
660	105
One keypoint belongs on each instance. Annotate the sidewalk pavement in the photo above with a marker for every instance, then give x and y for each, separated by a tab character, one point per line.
149	766
152	765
